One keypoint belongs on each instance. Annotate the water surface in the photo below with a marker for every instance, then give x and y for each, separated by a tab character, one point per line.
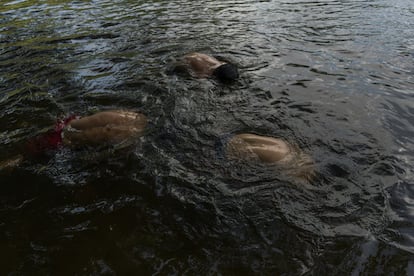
334	77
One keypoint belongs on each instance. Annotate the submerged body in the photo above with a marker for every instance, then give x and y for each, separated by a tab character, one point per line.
204	66
107	127
103	128
269	150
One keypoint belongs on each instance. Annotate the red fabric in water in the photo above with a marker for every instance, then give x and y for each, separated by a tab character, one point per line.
50	140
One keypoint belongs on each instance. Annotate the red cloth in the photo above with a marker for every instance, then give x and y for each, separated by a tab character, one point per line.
50	140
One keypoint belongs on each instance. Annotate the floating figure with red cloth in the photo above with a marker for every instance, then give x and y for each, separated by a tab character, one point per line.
102	128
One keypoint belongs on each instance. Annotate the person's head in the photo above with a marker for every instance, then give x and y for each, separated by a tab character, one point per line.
226	73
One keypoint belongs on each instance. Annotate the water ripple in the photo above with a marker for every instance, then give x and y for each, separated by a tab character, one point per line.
333	77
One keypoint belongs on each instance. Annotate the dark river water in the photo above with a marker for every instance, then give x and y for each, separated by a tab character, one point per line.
334	77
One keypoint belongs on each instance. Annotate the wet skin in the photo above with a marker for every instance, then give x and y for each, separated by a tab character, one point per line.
270	150
104	127
202	65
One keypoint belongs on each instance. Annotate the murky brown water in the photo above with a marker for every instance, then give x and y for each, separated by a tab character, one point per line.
335	77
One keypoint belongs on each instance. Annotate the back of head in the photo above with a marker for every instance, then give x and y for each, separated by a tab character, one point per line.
226	72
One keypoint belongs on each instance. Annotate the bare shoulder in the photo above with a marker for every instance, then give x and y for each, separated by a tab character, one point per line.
105	127
109	117
200	57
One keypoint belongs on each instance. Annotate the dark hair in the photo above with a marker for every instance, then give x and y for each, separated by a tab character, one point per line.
226	72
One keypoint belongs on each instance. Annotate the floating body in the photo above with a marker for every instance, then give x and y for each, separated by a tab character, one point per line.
107	127
103	128
269	150
204	66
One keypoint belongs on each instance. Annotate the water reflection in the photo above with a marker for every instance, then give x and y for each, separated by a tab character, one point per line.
334	77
